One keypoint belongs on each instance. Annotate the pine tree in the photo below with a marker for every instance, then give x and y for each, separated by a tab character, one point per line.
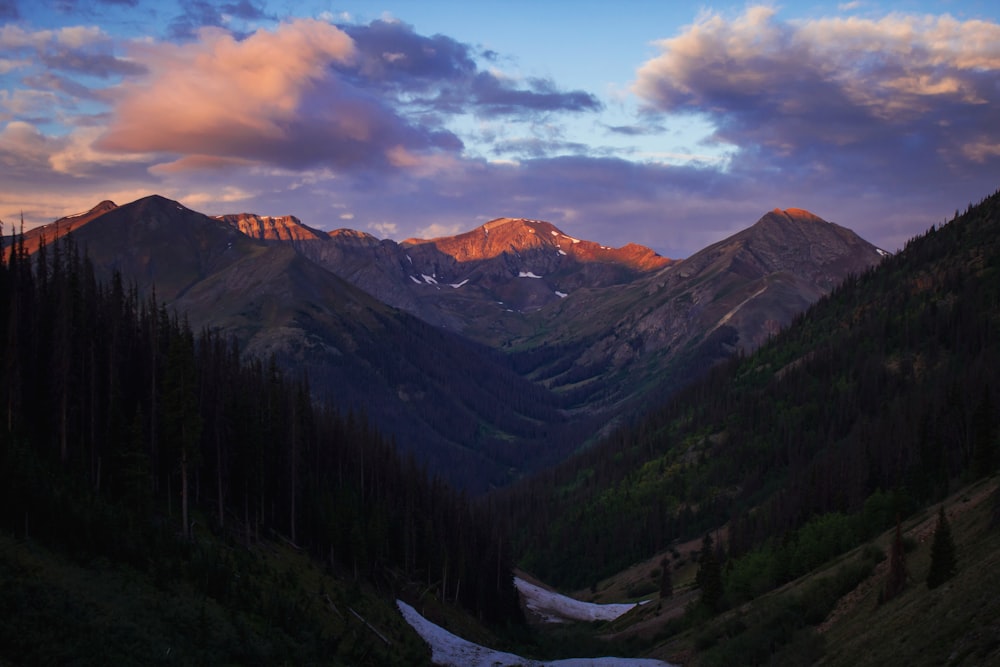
983	445
943	564
897	567
666	580
709	577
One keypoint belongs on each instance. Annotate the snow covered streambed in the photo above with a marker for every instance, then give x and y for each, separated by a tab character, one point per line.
451	650
555	608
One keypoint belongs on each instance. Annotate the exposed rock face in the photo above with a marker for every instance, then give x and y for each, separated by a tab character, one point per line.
470	282
730	296
435	392
601	326
540	244
268	228
64	225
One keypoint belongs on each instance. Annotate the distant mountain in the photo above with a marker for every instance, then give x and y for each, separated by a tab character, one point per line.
268	228
603	326
456	404
877	400
64	225
470	282
661	330
494	351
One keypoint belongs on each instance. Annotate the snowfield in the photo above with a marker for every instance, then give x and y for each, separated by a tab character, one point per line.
556	608
449	650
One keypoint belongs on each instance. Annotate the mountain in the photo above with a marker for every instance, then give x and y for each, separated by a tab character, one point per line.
456	405
490	353
476	283
878	400
268	228
54	230
656	333
601	326
160	496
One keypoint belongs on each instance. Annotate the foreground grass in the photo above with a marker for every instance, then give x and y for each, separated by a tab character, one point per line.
957	623
216	605
832	615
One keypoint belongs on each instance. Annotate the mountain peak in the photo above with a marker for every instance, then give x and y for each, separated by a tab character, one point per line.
103	207
794	215
271	228
517	236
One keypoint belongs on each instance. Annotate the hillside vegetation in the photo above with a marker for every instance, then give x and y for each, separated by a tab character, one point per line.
876	401
135	455
836	614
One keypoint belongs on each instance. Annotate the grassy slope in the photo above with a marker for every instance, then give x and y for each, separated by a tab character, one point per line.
289	611
955	624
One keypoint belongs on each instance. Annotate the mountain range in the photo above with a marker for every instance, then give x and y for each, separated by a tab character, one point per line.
809	465
491	353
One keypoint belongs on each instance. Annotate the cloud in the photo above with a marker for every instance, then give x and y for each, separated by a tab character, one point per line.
495	96
9	10
272	98
636	130
896	102
78	50
382	229
437	230
392	55
23	147
198	14
441	73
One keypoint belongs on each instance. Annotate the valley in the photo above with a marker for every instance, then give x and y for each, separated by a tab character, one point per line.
494	353
749	409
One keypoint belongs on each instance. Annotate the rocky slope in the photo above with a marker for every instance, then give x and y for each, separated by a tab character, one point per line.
438	394
471	282
586	328
662	330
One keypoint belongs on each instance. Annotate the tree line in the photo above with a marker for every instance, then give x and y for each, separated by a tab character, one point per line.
882	395
121	425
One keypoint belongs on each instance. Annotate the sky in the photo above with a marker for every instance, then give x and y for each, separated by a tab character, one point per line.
668	124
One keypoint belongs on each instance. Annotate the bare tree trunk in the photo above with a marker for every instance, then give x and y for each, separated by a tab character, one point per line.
218	477
185	530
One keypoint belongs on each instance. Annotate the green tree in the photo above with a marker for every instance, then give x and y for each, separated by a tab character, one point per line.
709	577
943	565
666	580
984	445
897	567
182	419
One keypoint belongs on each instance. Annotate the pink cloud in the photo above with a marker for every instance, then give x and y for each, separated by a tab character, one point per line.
895	101
215	95
277	98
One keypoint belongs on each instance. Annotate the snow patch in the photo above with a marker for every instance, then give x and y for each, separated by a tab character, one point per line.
562	252
554	233
527	274
428	279
561	295
557	608
416	280
571	238
881	252
451	650
410	258
457	285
